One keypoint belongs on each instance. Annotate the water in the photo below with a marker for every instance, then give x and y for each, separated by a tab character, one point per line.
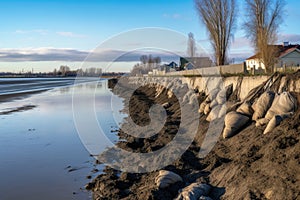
41	154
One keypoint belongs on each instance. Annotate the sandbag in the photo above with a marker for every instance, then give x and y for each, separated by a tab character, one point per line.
224	94
194	191
170	94
261	122
262	105
245	109
223	110
202	106
213	104
207	109
205	198
275	121
187	96
212	94
166	178
217	112
283	103
233	123
193	99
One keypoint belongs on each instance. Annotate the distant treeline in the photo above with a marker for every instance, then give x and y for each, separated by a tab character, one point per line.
63	71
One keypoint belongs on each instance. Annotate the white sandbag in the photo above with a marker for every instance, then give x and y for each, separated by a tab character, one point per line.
223	94
170	94
214	113
283	103
194	191
221	97
212	94
205	198
275	121
193	99
166	178
262	105
233	123
245	109
222	111
207	109
202	106
187	96
213	104
217	112
261	122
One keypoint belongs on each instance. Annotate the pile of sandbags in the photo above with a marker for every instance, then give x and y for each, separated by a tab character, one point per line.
166	178
214	106
194	191
269	108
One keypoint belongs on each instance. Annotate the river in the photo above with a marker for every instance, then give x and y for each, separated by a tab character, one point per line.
42	155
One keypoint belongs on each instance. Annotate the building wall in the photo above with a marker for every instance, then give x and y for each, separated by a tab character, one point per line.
290	60
254	63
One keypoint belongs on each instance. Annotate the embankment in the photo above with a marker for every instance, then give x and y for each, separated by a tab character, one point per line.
249	165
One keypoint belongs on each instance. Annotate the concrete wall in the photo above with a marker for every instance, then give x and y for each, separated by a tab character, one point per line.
209	83
226	69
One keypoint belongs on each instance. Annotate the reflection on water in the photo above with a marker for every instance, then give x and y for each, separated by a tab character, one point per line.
41	154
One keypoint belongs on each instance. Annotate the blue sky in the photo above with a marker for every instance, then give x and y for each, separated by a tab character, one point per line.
33	27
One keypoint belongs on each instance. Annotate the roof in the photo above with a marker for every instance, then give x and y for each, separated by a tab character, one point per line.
197	62
282	51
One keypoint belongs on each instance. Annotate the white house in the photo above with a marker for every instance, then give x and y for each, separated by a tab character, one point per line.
287	56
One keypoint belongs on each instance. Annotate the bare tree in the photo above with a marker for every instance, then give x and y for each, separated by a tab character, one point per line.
191	46
144	59
148	63
63	69
263	18
219	17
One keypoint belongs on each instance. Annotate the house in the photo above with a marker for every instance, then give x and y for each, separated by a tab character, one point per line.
163	69
194	62
287	55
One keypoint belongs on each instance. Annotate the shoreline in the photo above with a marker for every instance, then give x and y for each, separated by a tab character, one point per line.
18	96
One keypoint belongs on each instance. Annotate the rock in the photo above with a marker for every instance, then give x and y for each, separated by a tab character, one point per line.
194	191
166	178
233	123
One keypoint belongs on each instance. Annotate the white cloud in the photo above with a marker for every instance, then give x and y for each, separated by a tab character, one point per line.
38	31
73	55
292	38
70	34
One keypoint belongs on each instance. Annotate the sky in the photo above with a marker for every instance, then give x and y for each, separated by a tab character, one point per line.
42	35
